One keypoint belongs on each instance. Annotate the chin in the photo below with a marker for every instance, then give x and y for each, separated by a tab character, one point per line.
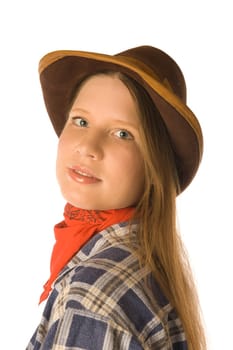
83	205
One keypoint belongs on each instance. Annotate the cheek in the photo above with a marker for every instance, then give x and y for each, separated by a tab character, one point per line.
66	142
62	141
63	146
61	153
135	160
137	170
131	164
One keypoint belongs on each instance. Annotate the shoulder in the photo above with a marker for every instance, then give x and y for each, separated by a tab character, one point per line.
101	301
107	284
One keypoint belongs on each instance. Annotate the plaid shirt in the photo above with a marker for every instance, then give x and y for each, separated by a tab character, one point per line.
101	301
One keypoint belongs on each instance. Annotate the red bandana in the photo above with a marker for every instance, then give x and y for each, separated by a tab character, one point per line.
73	232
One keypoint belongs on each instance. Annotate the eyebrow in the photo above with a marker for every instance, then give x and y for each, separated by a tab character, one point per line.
79	110
120	121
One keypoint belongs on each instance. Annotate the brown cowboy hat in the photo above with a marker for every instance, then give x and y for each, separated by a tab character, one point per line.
158	73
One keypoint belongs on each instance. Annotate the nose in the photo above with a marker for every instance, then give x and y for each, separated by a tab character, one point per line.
90	145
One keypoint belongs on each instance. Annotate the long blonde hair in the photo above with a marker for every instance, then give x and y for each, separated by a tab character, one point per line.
161	247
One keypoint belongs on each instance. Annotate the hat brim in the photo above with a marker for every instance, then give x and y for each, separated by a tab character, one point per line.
60	72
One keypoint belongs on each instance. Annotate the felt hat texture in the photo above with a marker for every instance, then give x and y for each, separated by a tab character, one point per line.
60	72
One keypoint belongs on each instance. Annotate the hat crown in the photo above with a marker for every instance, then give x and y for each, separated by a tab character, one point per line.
162	65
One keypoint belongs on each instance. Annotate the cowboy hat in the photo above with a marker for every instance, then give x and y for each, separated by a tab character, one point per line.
60	71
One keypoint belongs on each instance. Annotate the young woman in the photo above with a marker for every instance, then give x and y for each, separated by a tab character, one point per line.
128	145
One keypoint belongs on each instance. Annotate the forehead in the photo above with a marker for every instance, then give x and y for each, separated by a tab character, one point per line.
106	97
106	88
101	80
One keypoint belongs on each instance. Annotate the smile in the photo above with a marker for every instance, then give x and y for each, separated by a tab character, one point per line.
82	176
82	173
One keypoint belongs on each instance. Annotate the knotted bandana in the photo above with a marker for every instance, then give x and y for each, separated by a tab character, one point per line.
78	226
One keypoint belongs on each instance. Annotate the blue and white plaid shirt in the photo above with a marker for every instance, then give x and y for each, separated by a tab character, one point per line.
100	301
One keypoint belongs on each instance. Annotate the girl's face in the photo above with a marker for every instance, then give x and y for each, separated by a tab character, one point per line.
99	163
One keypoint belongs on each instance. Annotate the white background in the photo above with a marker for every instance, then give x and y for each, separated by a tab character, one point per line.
198	35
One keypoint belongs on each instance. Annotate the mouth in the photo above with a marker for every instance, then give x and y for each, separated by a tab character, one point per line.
82	175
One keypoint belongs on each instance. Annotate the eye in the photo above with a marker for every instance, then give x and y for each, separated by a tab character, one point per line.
124	134
82	123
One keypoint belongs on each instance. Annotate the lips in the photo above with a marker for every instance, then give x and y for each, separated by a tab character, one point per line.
82	175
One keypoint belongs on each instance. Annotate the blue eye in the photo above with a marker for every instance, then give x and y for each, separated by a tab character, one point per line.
80	122
123	134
